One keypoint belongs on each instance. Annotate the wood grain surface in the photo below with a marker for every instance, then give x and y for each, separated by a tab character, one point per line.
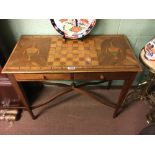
52	54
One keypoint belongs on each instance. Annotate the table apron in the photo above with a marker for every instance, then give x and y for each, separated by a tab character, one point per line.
74	76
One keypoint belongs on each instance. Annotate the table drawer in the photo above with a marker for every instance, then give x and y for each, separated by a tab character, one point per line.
41	77
102	76
89	76
64	76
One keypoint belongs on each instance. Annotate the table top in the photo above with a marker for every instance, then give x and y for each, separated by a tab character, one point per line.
53	54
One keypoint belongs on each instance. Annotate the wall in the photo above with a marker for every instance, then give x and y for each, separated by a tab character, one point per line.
139	32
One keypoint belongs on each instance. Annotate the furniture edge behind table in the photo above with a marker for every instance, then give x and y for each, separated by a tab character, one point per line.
102	58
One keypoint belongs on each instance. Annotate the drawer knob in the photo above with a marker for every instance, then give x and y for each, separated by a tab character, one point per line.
44	77
101	77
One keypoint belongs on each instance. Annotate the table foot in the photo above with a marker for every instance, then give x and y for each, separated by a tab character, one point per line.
151	116
34	117
115	115
126	86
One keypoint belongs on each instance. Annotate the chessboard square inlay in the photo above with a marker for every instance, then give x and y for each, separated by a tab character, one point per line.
53	45
95	63
82	63
75	45
81	47
63	59
69	63
55	63
70	55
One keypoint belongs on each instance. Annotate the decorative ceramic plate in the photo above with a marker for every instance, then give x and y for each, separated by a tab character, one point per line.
73	28
150	50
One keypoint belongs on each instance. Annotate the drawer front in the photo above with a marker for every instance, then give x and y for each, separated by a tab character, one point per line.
89	76
56	77
102	76
41	77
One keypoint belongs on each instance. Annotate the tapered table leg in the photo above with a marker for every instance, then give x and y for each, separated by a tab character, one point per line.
126	86
21	95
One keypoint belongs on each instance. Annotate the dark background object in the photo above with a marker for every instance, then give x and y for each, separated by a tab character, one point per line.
8	96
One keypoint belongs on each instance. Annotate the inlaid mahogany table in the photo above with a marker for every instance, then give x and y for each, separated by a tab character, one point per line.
46	58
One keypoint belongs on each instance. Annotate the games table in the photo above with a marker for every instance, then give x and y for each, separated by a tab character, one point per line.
46	58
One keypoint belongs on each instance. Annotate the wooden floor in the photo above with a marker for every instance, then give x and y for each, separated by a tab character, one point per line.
79	115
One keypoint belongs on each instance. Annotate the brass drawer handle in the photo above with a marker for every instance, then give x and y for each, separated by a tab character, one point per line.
101	77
